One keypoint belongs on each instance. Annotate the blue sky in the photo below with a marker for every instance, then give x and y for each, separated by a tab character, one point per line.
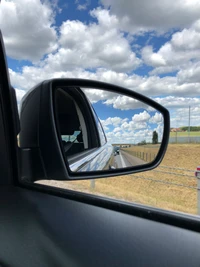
152	47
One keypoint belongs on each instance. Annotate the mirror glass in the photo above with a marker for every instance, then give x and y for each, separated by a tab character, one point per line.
100	130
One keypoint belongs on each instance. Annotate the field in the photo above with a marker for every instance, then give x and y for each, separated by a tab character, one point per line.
135	188
184	134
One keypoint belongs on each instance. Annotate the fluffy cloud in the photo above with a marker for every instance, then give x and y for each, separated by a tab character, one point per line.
157	118
95	95
141	117
135	129
91	46
125	103
189	74
117	129
184	47
188	39
127	129
169	87
115	121
132	126
132	138
172	102
28	33
139	121
151	58
155	14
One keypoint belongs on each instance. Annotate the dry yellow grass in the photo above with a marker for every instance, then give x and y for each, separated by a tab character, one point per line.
133	189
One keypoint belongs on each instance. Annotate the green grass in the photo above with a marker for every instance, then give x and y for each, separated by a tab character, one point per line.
184	134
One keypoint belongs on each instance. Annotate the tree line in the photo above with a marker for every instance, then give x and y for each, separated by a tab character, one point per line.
192	128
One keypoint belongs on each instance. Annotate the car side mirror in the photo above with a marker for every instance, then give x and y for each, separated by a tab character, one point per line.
80	129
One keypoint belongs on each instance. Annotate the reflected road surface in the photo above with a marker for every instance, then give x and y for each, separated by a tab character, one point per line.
124	160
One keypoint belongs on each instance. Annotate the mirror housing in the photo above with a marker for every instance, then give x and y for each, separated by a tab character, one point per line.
42	154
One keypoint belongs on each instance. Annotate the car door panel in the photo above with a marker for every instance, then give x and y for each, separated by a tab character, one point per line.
38	229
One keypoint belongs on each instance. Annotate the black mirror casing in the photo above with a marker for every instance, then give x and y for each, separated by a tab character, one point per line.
41	155
41	152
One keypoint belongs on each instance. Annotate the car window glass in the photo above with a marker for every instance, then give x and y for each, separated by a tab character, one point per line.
151	47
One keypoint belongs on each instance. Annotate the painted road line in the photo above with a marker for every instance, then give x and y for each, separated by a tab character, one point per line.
122	161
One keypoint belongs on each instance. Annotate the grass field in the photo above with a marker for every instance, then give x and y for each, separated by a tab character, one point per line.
133	189
184	134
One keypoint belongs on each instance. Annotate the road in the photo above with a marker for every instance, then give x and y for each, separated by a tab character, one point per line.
124	160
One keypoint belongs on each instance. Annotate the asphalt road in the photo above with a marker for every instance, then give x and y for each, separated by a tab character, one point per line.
124	160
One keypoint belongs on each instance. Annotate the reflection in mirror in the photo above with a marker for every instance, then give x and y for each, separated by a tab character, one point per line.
110	131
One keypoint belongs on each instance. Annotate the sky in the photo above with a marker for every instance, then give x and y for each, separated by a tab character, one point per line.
151	47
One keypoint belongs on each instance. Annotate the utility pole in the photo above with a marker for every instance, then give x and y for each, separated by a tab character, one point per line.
189	127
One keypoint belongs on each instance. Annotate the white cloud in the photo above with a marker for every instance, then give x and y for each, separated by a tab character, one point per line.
183	48
126	130
117	129
127	137
151	58
152	86
133	130
144	135
155	14
172	102
115	121
95	45
141	117
157	118
138	128
125	103
95	95
188	39
27	28
132	126
139	121
189	74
